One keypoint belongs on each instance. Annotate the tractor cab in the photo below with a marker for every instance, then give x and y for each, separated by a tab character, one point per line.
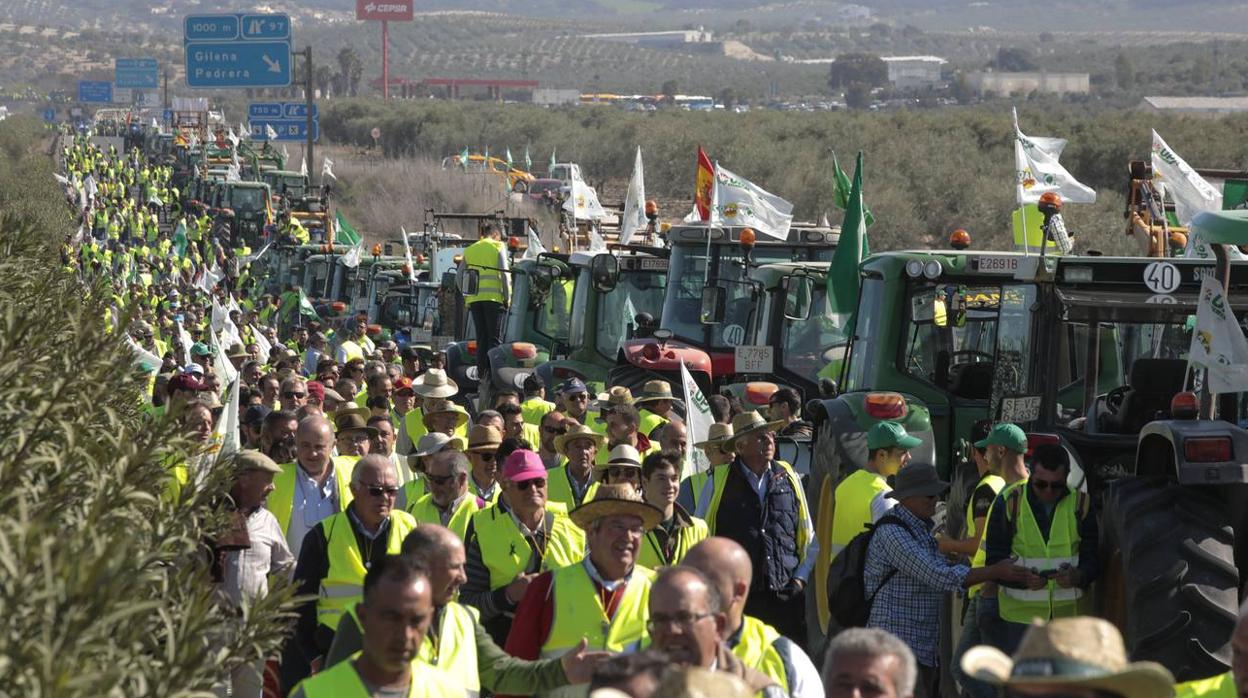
713	301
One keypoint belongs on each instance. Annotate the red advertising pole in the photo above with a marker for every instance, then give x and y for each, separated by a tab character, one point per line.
385	59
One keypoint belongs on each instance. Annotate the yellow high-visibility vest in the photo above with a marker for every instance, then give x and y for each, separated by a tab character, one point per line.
579	612
1033	551
506	553
484	256
342	681
343	585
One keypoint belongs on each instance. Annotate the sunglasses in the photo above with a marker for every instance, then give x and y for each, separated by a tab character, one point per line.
485	456
293	395
439	480
379	490
580	397
1042	485
538	482
555	430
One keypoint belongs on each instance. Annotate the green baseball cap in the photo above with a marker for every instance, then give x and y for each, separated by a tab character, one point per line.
1008	435
200	349
890	435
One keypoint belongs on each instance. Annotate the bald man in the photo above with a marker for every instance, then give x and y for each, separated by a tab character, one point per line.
312	488
673	436
338	551
456	642
759	645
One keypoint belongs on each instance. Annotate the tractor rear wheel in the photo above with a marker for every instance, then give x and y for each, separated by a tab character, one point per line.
1170	551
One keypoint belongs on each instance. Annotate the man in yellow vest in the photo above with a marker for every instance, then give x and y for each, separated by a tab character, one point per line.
355	343
860	497
1045	524
604	597
338	551
395	610
998	454
514	540
432	387
314	487
657	397
683	598
758	645
551	426
623	427
488	306
448	502
691	489
483	443
666	544
456	643
759	502
574	401
573	482
535	404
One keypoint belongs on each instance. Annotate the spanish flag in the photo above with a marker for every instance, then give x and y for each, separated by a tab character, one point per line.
703	186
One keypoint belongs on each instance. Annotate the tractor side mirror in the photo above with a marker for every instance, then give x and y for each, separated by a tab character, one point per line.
604	269
542	279
470	282
797	291
712	305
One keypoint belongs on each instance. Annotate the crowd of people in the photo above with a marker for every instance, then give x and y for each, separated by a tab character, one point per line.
550	541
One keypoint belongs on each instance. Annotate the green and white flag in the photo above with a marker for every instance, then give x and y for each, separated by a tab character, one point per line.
346	234
305	307
634	217
1218	342
1039	172
698	422
842	282
843	189
463	158
528	161
509	157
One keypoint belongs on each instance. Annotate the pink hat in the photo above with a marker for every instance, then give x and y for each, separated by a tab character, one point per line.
523	465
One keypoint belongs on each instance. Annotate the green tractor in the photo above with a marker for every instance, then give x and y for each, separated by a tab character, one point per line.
538	319
243	213
1089	353
611	290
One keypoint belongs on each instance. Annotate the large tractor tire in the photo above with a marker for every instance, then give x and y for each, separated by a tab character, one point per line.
1171	573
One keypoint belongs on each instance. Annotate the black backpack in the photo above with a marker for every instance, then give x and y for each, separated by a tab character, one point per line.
848	600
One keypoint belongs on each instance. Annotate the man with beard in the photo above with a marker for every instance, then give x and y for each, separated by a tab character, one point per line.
277	436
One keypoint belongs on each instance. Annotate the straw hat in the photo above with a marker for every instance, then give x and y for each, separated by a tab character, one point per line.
745	424
716	436
442	407
352	421
484	438
617	396
623	455
434	383
1079	652
580	431
612	500
654	391
436	442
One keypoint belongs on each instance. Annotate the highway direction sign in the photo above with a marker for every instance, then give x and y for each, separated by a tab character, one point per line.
237	50
136	72
95	91
264	110
287	129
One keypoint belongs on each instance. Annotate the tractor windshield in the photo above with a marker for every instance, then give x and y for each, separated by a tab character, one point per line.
809	345
247	199
553	318
637	292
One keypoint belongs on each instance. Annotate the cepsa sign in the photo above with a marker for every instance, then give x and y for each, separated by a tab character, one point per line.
384	10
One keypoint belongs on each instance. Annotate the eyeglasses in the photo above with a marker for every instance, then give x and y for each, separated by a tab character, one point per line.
439	480
683	620
1042	485
291	395
379	490
620	472
557	431
538	482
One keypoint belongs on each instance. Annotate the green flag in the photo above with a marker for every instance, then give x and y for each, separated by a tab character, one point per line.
528	161
842	190
305	307
346	234
180	240
850	251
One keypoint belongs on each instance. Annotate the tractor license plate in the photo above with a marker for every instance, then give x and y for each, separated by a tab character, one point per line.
1004	265
1021	409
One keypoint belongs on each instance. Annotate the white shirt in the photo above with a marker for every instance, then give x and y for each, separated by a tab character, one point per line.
881	505
312	504
245	572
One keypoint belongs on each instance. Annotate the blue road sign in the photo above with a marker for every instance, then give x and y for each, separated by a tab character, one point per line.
264	110
267	27
238	64
136	72
298	110
49	114
287	129
95	91
210	28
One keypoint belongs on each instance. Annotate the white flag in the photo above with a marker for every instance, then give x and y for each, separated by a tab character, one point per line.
231	137
407	252
285	155
242	130
303	167
1191	195
1218	341
630	317
1037	170
185	338
232	174
210	278
227	424
698	423
155	124
327	169
351	259
740	202
634	218
89	185
583	201
596	244
270	134
263	343
534	246
146	360
221	364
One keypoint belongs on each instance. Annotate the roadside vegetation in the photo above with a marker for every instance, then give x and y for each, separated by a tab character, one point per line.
104	586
